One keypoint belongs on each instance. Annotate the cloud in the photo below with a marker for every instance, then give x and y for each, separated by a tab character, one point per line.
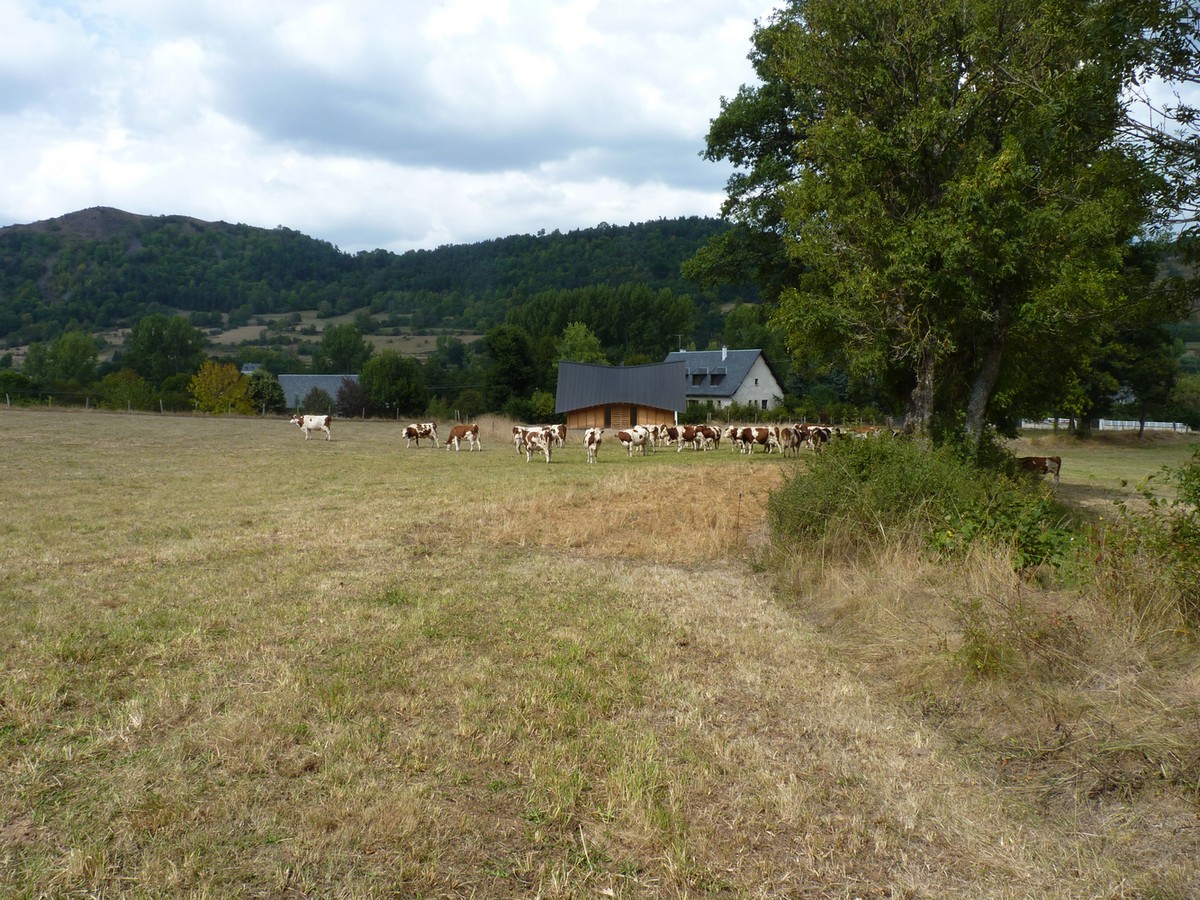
394	124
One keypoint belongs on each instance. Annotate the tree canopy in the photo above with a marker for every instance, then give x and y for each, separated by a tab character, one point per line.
946	192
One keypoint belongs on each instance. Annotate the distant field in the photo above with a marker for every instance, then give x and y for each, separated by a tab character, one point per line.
236	663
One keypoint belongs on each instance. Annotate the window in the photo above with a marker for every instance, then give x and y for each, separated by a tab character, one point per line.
764	404
756	382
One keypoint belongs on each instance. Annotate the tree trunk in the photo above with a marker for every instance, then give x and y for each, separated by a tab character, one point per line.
981	391
920	403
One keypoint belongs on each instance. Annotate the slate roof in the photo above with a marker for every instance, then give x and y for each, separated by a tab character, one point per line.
583	385
719	377
296	387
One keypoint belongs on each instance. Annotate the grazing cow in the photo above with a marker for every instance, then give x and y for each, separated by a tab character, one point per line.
417	431
632	438
537	441
468	433
1041	465
591	440
313	423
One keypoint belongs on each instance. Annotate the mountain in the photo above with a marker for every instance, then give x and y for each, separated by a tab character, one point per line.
102	268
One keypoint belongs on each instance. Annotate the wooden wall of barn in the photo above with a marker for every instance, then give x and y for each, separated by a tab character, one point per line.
618	416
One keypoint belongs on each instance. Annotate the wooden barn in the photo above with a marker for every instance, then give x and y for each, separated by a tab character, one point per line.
593	396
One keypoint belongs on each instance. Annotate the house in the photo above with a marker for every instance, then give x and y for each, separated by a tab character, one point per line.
594	396
726	376
296	387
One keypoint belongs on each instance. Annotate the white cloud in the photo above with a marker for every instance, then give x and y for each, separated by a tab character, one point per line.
366	122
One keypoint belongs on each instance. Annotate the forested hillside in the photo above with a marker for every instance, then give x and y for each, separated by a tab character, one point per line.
102	268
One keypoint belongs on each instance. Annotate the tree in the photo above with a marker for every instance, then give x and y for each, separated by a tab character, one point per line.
125	390
74	360
948	185
579	344
318	403
1145	365
266	393
221	388
351	399
394	383
511	370
343	351
1187	398
160	346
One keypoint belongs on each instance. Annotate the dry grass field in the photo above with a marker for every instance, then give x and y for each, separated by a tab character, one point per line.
236	663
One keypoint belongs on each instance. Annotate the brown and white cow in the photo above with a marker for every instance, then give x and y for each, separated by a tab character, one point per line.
709	436
313	423
688	435
1041	465
764	436
633	437
416	431
468	433
591	440
539	440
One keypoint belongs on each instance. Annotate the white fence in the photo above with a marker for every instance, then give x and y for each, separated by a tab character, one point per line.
1106	425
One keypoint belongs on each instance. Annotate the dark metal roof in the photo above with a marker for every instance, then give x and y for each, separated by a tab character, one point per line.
734	365
296	387
583	385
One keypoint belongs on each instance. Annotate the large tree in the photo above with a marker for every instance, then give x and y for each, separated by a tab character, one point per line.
951	185
159	347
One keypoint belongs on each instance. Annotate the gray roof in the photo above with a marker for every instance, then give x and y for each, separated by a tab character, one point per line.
721	371
296	387
582	385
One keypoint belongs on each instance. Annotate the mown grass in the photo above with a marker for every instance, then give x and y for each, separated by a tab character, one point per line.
233	662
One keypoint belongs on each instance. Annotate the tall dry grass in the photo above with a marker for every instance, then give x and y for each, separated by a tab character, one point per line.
233	663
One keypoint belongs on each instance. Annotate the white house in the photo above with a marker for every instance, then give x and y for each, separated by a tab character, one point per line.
729	376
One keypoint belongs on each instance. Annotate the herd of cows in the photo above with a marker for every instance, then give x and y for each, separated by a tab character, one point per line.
541	440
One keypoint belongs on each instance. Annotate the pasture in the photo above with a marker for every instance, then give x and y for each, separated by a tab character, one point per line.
236	663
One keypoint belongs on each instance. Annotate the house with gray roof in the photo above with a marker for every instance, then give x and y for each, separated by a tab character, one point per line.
297	387
594	396
726	376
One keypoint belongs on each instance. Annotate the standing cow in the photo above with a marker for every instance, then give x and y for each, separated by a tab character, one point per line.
591	440
538	441
313	423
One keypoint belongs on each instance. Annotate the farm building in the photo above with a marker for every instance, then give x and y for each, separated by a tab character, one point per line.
593	396
296	387
728	376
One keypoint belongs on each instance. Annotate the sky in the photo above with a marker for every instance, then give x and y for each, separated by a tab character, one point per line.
369	123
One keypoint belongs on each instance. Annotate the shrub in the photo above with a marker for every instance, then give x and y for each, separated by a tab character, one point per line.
1159	540
859	492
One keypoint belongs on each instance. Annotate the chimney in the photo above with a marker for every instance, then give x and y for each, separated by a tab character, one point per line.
724	352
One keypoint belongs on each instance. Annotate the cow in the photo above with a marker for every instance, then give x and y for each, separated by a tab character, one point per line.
632	438
591	440
1041	465
538	440
709	435
416	431
313	423
468	433
689	435
765	436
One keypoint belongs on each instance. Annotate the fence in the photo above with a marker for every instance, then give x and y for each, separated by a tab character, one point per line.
1105	425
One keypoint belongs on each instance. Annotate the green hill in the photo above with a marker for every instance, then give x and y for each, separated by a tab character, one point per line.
103	268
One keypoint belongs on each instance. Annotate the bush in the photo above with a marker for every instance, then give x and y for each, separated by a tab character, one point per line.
859	492
1160	542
